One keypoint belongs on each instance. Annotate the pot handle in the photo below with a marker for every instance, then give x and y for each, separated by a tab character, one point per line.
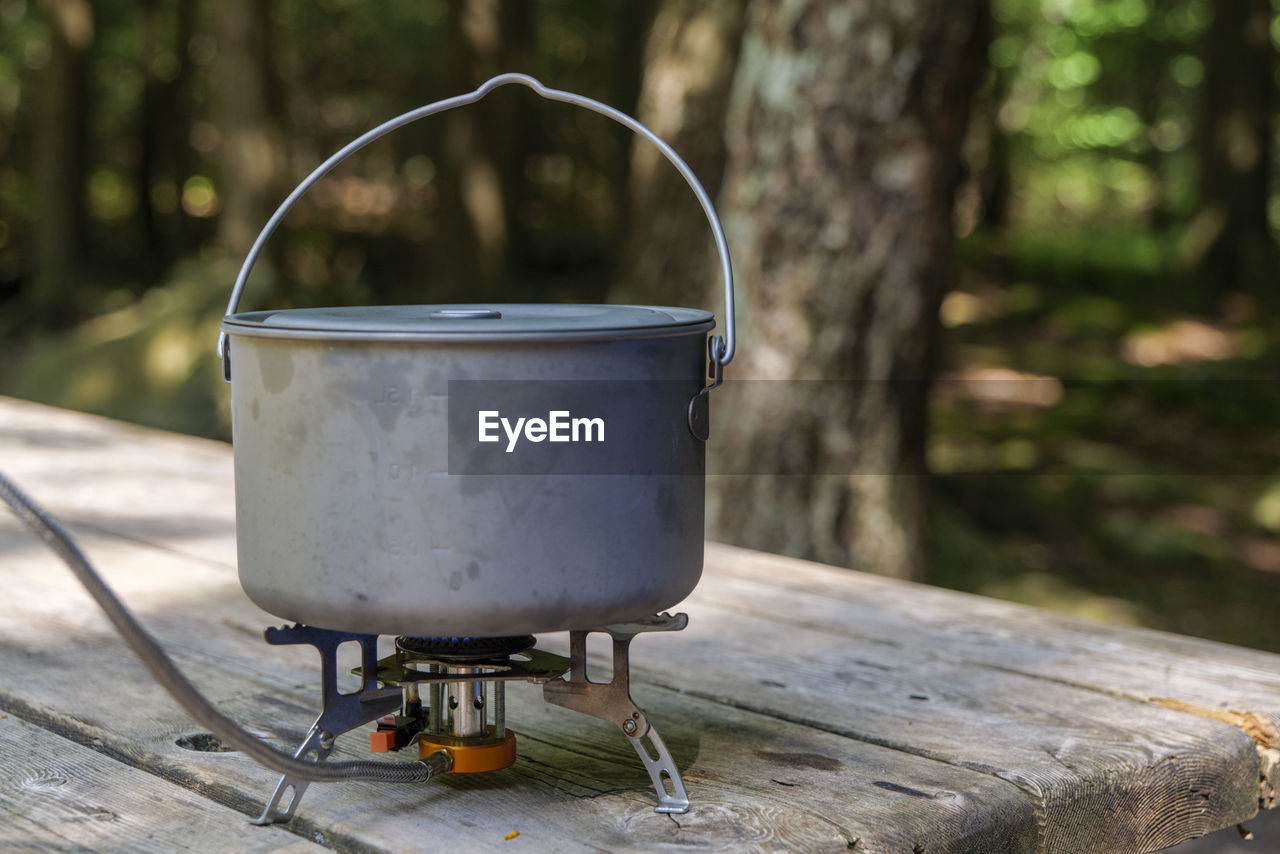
721	349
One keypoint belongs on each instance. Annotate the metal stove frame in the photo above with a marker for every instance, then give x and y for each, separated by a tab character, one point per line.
385	685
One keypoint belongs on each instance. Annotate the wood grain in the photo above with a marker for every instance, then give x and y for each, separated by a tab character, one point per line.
144	484
809	708
757	781
1195	676
1104	774
1131	662
56	795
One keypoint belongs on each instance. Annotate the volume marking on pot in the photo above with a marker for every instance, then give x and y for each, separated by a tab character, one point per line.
404	471
401	548
391	395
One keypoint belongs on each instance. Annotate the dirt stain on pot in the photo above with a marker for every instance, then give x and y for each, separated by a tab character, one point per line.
275	364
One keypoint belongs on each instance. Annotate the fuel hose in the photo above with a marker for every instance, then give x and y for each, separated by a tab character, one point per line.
50	531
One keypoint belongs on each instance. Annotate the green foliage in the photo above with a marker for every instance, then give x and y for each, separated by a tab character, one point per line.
1101	94
154	187
1147	490
148	361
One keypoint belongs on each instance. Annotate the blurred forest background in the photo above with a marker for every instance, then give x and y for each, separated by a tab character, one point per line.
1044	230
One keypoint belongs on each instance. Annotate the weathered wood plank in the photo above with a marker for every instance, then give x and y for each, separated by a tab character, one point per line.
1237	686
1131	662
176	586
756	781
145	484
1105	774
176	491
840	629
56	795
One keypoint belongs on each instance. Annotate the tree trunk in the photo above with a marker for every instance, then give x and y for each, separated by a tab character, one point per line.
162	130
509	129
62	133
689	62
476	217
150	121
844	133
247	111
630	61
1229	242
995	182
180	91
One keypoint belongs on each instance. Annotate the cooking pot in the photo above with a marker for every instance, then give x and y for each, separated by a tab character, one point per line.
471	470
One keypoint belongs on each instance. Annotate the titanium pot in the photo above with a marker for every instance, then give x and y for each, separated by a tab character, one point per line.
471	470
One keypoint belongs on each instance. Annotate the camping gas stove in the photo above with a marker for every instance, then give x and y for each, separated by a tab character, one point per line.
445	699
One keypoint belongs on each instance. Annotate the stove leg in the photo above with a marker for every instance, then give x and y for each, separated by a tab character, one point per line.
340	712
273	813
611	701
673	800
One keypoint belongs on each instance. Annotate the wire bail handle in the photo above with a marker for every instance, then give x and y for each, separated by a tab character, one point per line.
721	349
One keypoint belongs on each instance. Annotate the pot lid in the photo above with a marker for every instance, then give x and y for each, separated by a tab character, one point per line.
489	322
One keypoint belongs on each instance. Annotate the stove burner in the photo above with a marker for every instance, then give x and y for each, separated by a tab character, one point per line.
451	702
465	649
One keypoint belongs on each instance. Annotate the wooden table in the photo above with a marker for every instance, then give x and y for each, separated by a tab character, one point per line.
809	708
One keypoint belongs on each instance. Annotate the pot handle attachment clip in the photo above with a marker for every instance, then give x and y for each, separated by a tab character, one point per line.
720	349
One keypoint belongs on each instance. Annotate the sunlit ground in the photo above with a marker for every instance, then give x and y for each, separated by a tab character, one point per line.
1106	444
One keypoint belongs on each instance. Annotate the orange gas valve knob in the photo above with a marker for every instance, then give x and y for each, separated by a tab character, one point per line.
471	755
382	741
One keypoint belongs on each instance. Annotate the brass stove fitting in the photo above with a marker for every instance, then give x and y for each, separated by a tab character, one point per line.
471	755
